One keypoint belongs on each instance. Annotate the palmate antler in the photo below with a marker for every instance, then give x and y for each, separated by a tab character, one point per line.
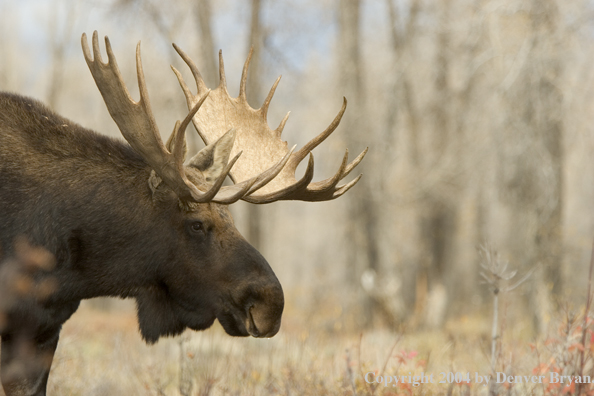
261	146
137	124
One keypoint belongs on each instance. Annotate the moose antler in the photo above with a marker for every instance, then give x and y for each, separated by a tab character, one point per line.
261	146
137	124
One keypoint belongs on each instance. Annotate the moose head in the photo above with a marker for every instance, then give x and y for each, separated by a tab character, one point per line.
139	220
262	169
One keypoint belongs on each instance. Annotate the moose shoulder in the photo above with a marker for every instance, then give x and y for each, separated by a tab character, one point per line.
136	220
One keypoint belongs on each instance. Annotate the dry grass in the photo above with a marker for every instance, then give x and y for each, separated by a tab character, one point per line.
101	353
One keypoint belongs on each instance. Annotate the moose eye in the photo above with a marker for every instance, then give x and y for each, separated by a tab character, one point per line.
197	226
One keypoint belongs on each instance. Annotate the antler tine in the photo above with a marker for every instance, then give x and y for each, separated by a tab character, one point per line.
244	73
331	182
222	78
266	104
177	141
313	143
174	140
290	190
249	186
144	98
96	50
343	189
200	84
182	82
232	194
355	162
279	129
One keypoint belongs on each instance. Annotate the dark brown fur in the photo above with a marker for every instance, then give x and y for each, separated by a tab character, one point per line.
85	198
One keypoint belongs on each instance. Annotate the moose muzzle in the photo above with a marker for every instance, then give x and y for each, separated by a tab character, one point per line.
264	318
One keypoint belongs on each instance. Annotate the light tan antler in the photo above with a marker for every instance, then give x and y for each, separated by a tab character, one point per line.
137	124
261	146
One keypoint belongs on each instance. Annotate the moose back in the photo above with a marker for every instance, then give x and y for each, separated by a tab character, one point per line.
136	219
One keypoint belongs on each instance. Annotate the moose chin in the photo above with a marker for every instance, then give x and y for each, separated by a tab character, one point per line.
136	220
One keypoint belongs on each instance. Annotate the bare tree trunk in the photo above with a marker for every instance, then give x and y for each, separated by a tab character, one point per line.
254	94
203	13
4	48
256	41
208	57
363	227
549	234
533	157
402	98
547	94
437	221
403	108
60	37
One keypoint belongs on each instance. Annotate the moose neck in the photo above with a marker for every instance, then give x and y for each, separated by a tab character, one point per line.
91	208
116	247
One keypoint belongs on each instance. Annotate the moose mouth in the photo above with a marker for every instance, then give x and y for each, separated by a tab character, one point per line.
236	322
241	323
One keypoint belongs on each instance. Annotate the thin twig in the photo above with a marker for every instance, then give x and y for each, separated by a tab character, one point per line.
494	335
350	372
585	326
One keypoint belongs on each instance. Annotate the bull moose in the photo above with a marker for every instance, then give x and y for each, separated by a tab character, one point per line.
136	220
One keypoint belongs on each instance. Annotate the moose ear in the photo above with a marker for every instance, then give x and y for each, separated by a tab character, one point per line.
212	159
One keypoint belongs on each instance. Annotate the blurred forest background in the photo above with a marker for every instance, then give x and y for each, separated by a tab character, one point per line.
478	115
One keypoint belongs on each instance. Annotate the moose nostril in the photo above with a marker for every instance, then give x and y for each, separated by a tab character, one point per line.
252	329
